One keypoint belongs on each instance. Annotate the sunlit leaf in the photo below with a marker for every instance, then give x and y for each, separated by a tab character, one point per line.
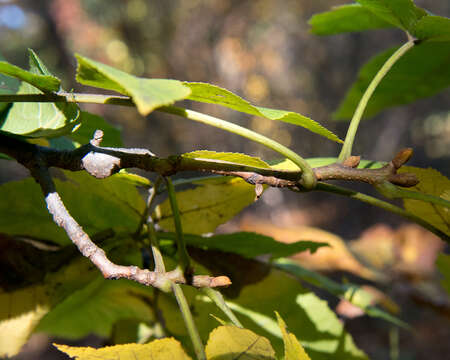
310	319
247	244
147	94
346	18
89	123
22	309
34	119
20	312
403	14
231	342
96	204
162	349
40	80
212	94
226	157
96	308
8	86
134	179
207	206
432	182
293	350
422	72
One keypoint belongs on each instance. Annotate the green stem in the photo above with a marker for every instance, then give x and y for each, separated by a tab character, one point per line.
353	127
181	245
189	322
308	178
383	205
218	299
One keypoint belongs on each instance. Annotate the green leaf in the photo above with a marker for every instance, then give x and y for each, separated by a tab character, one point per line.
432	182
91	122
346	18
147	94
133	179
44	82
39	119
161	349
422	72
443	264
257	291
248	244
231	342
211	203
433	28
8	85
96	308
293	350
227	157
212	94
350	292
400	13
96	204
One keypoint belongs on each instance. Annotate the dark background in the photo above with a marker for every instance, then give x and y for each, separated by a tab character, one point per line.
263	51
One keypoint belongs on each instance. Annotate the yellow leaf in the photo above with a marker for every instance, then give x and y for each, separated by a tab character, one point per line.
231	342
163	349
209	205
293	350
432	182
21	311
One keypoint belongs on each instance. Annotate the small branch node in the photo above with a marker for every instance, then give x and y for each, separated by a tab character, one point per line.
97	138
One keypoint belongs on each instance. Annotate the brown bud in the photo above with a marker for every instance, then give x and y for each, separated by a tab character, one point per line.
352	161
402	157
404	179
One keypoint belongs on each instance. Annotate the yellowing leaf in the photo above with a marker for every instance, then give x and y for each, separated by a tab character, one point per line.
22	311
163	349
231	342
293	350
432	182
210	204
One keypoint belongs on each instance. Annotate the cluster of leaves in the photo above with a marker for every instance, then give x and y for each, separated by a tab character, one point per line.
50	288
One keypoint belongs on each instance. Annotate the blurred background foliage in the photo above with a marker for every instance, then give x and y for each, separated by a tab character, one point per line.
263	51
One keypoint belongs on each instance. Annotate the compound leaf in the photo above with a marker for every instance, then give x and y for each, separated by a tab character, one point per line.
147	94
212	94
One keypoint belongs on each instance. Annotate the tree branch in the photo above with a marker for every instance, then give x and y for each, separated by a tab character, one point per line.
36	159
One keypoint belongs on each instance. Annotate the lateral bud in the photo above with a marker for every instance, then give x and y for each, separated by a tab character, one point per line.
402	157
352	161
404	179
